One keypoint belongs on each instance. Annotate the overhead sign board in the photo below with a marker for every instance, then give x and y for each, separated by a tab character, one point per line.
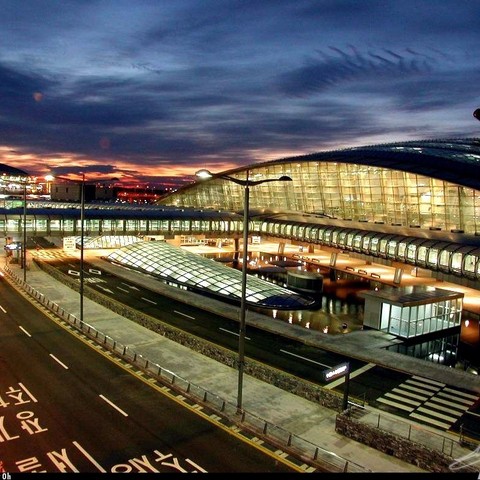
69	244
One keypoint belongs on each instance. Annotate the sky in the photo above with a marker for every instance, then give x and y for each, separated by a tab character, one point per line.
150	91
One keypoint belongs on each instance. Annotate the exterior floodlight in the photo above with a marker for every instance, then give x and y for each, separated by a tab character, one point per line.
203	174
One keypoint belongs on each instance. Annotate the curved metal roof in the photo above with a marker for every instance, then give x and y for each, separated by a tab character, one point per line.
8	170
203	275
456	160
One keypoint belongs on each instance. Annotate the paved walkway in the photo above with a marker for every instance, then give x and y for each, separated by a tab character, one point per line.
306	419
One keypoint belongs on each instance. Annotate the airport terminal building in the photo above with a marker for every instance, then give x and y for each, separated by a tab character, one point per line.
414	202
412	205
427	185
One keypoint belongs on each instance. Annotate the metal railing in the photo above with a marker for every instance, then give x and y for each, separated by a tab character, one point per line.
452	447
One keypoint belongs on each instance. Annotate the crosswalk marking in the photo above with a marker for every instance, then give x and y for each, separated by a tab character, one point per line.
462	394
429	401
473	413
441	401
428	380
431	421
395	404
402	399
435	414
415	389
422	385
409	394
444	409
454	397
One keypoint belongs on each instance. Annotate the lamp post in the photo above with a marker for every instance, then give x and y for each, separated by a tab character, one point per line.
24	226
24	246
246	184
82	234
82	183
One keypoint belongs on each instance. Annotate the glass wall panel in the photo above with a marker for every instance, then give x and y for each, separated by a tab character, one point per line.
327	235
404	329
444	259
357	241
470	264
131	226
13	225
385	319
55	225
366	241
342	239
422	254
41	226
382	245
374	245
395	319
432	258
346	191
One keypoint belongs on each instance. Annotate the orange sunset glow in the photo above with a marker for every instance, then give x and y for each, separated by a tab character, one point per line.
127	172
93	87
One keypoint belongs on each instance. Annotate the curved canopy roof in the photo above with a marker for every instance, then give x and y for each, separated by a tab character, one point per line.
203	275
456	161
8	170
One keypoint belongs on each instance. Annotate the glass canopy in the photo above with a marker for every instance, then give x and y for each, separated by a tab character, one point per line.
172	264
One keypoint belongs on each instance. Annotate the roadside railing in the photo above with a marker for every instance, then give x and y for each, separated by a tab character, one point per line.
413	443
448	445
278	436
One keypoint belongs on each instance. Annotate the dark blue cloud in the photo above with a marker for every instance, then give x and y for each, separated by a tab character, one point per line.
164	84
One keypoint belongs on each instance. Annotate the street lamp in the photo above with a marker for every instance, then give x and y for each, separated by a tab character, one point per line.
82	227
24	182
82	235
246	184
24	248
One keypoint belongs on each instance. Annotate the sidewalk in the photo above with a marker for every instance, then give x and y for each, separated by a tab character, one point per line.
308	420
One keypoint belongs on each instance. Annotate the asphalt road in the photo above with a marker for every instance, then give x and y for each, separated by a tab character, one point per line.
303	361
67	407
368	382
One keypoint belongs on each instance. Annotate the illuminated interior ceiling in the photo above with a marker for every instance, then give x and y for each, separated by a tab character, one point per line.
429	185
202	275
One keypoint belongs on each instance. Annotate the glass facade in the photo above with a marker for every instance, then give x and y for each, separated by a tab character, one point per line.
408	312
375	189
407	322
106	241
459	259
